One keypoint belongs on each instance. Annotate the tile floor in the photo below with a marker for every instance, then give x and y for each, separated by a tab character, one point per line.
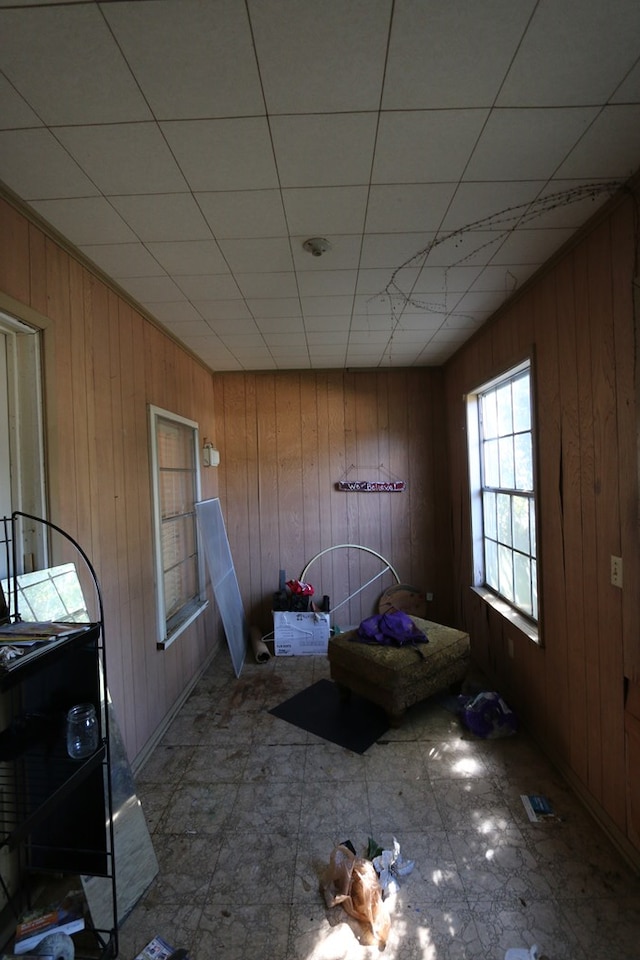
244	810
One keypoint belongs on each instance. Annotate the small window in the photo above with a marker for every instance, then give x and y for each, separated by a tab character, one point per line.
501	459
176	490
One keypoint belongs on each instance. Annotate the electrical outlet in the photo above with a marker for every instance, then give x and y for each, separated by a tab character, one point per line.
510	647
616	571
429	597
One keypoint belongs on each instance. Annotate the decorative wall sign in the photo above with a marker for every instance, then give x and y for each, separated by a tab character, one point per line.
371	486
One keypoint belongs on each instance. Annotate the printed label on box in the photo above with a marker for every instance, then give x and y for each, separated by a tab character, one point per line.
300	634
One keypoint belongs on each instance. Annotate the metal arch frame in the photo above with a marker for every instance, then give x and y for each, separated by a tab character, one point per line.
353	546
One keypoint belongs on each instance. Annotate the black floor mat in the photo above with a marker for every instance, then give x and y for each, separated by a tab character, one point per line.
319	709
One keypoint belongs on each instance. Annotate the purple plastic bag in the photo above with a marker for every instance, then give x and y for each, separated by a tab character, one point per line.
488	716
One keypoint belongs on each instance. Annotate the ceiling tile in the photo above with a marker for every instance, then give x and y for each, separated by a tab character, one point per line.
73	48
280	324
530	246
325	210
209	287
123	259
371	282
444	55
175	312
222	310
205	48
223	326
564	37
344	253
274	307
85	220
189	257
325	306
410	206
150	290
265	285
318	340
35	166
610	147
230	154
169	216
504	278
390	251
321	57
324	149
420	146
433	279
466	249
327	324
568	203
490	206
15	112
189	328
124	158
509	148
315	283
629	89
257	256
244	213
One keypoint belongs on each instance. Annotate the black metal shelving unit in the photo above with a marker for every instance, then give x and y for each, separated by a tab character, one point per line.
56	813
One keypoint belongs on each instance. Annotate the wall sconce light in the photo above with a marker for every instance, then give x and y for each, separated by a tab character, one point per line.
210	456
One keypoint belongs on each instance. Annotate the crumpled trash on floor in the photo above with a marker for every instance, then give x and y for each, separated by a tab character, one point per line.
390	867
518	953
352	882
487	715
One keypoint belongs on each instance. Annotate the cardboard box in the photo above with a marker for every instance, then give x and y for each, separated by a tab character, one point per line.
298	634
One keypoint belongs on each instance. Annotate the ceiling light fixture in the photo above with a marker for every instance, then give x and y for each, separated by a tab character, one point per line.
316	246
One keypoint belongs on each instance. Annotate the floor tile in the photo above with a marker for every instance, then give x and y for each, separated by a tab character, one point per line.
245	810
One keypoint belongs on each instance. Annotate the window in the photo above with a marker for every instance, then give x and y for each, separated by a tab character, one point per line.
176	489
503	490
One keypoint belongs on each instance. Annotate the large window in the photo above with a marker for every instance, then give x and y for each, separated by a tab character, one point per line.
503	490
176	489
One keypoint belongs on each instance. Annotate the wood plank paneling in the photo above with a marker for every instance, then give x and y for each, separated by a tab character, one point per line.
577	315
355	425
103	363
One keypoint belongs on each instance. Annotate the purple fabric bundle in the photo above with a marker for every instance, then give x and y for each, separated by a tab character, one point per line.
394	628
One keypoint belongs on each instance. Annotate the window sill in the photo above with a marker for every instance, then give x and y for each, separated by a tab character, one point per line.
191	614
521	623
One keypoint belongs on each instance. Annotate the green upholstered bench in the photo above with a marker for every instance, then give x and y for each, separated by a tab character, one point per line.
397	677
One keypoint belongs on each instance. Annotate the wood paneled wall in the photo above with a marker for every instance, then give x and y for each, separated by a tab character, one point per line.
286	439
577	322
104	363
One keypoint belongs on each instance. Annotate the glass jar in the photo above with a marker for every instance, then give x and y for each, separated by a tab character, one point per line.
82	731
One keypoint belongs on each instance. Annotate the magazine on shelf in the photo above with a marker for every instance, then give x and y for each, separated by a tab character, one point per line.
65	917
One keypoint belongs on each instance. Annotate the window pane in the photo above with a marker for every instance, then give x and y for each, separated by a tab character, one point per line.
520	507
175	444
503	503
489	416
522	576
532	526
521	404
507	489
490	520
178	540
507	471
506	571
523	462
180	586
505	418
491	564
491	464
176	492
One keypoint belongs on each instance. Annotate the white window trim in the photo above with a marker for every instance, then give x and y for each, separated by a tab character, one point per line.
26	437
165	640
526	625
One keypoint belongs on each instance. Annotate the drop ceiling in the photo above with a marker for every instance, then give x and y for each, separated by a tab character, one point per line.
445	149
